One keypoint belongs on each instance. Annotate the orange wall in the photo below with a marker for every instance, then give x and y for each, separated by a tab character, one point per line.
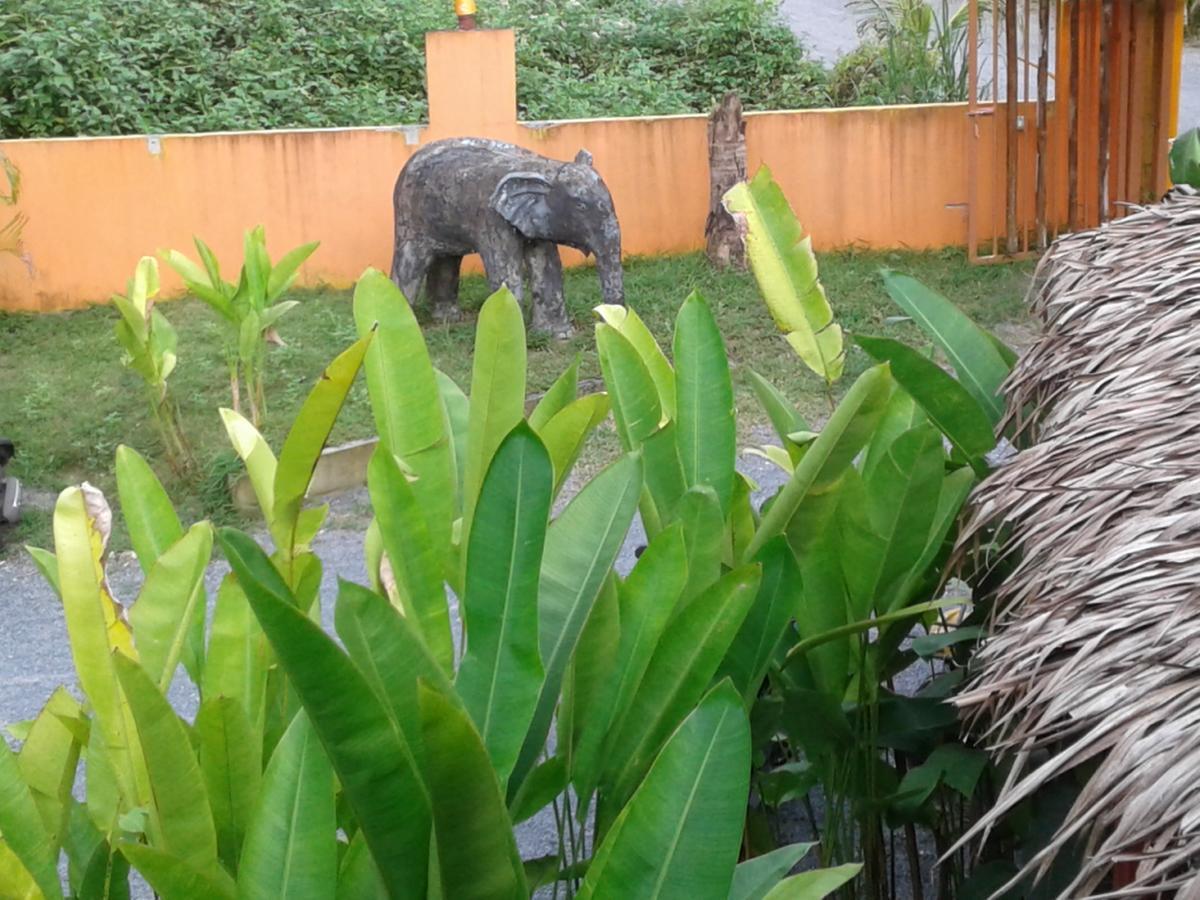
873	177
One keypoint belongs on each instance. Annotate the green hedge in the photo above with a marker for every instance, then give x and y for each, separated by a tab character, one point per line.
71	67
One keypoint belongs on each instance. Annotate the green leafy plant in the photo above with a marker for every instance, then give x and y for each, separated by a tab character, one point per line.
913	51
410	757
1185	158
250	308
90	67
149	344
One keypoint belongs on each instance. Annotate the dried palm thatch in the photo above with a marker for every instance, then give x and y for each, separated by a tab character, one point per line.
1094	656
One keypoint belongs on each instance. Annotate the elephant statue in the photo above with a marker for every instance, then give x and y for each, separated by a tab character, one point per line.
511	206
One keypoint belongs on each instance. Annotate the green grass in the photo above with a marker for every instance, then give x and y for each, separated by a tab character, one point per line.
68	403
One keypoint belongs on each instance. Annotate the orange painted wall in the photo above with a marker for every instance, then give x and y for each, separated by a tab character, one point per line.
874	177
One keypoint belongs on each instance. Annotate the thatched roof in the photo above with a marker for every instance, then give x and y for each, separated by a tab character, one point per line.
1094	656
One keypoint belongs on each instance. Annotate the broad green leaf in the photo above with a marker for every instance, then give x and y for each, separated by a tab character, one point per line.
777	456
979	366
49	757
168	617
149	516
944	400
581	547
256	265
587	688
754	878
703	535
824	605
565	434
680	833
415	561
956	487
544	783
814	885
47	564
784	417
372	762
276	312
501	672
94	632
786	271
901	502
291	844
560	395
358	876
211	265
680	670
476	849
21	824
172	876
230	752
1185	158
844	435
626	321
800	649
497	390
283	273
306	439
458	413
238	654
391	655
706	433
256	454
774	605
405	398
901	415
181	806
94	868
15	881
635	404
664	477
646	600
1006	352
205	285
101	782
929	645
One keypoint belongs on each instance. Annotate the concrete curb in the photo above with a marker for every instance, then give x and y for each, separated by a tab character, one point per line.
338	469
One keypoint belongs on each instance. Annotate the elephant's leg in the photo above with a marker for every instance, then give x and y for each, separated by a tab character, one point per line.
441	286
410	261
504	262
549	311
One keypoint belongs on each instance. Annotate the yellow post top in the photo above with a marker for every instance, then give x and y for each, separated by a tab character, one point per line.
464	7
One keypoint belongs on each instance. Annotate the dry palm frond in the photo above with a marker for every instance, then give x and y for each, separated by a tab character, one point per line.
1094	656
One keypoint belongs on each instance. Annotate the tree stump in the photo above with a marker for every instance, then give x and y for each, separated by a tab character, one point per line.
726	167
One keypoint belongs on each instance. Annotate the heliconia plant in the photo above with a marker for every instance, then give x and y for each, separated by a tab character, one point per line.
411	747
250	307
149	343
498	664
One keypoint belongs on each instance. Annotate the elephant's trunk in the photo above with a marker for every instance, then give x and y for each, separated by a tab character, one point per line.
612	277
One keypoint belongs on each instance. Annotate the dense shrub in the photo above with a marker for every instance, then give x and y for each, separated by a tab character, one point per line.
72	67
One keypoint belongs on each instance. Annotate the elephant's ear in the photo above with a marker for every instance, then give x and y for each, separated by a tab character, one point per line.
522	198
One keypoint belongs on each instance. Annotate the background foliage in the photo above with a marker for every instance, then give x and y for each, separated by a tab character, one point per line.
86	67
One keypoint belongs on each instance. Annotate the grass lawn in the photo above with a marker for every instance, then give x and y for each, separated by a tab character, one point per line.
68	403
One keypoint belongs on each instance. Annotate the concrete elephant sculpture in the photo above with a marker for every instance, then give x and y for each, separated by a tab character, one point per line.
512	206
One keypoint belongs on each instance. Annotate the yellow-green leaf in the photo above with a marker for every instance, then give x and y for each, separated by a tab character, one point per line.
785	268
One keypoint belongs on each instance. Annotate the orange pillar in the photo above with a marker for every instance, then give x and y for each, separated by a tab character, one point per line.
472	83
